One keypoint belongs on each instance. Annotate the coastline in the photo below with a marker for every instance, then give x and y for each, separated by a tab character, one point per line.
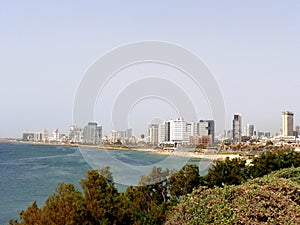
179	153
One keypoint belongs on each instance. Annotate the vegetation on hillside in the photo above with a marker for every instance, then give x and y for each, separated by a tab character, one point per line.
272	199
214	201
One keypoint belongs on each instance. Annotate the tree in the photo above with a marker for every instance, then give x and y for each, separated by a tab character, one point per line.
229	172
102	200
272	161
144	209
156	182
66	206
106	173
32	215
184	181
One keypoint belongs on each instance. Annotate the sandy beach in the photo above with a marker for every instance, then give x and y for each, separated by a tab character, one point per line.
189	153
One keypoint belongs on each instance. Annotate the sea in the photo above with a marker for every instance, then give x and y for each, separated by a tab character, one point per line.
30	173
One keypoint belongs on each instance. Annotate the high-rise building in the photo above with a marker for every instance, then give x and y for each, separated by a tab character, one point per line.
192	129
56	135
38	136
297	130
167	131
207	128
153	134
249	130
129	133
45	135
75	134
287	123
237	128
92	133
178	131
229	134
161	133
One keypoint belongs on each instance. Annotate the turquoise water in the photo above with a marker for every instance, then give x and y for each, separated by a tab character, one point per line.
31	173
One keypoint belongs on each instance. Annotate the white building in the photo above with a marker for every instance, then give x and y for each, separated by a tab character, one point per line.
56	135
120	136
38	137
192	129
178	131
249	130
75	134
153	134
161	133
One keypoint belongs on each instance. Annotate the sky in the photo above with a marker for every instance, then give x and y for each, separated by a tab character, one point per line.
252	48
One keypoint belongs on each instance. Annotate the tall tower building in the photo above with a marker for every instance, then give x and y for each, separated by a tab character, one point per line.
287	123
92	133
249	130
237	128
161	133
206	128
153	134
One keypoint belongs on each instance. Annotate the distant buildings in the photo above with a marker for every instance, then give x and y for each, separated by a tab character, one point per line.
237	128
92	133
121	137
287	123
171	133
182	132
175	131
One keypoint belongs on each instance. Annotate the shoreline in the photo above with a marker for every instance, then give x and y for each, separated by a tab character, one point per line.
178	153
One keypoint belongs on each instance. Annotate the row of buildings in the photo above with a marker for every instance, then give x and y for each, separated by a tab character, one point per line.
288	131
90	134
176	132
182	132
170	133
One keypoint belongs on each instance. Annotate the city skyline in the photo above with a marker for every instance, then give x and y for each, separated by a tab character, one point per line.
252	49
201	127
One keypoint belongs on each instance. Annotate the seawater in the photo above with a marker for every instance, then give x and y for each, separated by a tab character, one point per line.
31	173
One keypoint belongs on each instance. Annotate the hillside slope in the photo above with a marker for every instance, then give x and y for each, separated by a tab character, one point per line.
272	199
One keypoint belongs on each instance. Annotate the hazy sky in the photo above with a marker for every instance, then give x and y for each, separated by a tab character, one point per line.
251	47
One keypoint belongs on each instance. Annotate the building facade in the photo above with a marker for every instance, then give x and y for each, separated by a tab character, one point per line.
207	128
287	123
153	134
92	133
75	134
237	128
249	130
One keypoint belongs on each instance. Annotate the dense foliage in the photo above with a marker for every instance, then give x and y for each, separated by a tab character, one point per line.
268	200
100	202
235	171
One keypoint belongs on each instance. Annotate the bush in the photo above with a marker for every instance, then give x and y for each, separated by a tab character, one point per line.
267	200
